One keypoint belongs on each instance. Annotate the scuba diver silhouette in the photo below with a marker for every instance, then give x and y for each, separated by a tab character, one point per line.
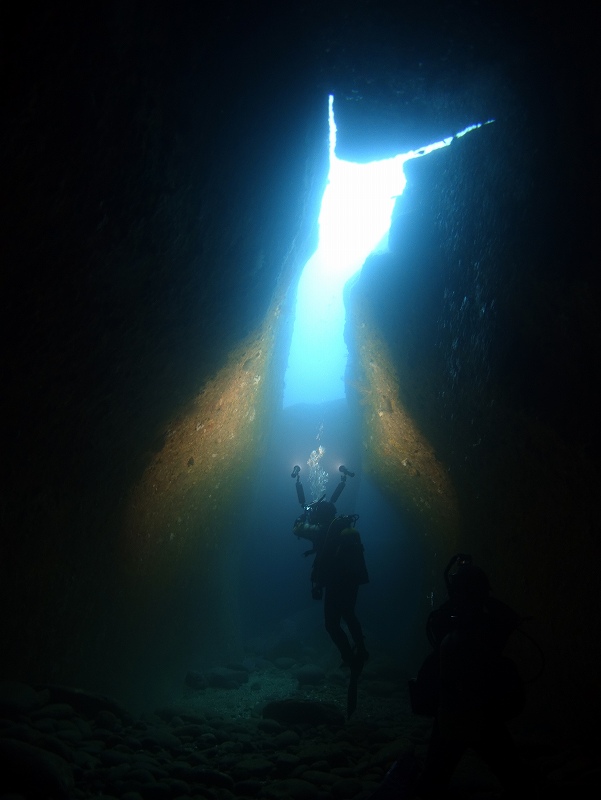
470	688
338	571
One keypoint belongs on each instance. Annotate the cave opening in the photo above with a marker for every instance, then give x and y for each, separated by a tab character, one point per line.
354	221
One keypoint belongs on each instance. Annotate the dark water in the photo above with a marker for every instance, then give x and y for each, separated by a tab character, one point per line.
275	589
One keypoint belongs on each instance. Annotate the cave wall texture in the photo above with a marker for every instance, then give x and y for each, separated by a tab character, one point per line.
163	170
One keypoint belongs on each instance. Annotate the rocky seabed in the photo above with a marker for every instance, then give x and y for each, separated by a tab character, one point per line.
59	742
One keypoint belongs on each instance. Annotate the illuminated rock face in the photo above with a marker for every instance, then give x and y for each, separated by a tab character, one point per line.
162	197
482	321
155	217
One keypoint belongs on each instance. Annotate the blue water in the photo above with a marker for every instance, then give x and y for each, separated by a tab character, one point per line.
275	576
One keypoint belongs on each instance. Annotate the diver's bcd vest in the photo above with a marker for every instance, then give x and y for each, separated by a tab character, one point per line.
339	559
501	687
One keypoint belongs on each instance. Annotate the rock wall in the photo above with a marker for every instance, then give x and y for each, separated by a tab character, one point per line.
486	307
164	171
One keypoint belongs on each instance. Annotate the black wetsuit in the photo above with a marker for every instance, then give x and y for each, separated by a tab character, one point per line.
338	570
479	691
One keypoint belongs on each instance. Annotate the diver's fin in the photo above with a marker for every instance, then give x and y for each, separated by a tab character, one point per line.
356	666
351	697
